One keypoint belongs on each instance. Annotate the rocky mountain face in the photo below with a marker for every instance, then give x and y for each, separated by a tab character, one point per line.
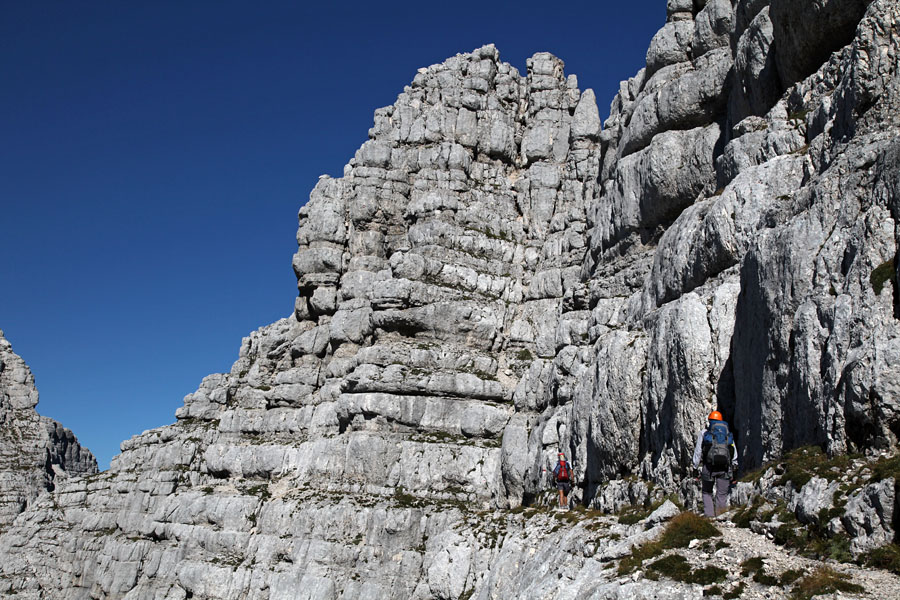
35	452
498	277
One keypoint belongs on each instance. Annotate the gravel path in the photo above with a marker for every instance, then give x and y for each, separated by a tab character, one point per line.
744	544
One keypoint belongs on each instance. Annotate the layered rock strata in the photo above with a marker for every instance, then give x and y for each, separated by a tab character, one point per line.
495	278
35	452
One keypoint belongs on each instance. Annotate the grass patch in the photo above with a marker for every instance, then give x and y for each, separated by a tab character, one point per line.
524	354
802	464
823	580
762	578
885	468
812	540
886	271
676	567
673	566
754	475
886	557
679	532
743	517
751	566
755	567
261	491
635	514
685	527
790	576
638	555
404	500
737	592
708	575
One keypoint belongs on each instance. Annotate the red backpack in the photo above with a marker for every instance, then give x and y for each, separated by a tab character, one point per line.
563	474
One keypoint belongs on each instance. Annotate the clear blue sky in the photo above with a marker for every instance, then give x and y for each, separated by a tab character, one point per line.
153	156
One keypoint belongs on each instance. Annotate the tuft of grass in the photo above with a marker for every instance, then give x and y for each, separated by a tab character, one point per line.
743	517
813	539
676	567
708	575
886	557
524	354
638	555
685	527
836	548
790	576
404	500
762	578
737	592
678	533
823	580
712	590
754	566
673	566
261	491
886	271
800	465
885	468
634	514
751	566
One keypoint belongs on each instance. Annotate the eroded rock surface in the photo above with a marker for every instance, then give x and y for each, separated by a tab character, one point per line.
498	277
36	453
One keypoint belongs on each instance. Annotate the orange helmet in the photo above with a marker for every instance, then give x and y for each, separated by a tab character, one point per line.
715	416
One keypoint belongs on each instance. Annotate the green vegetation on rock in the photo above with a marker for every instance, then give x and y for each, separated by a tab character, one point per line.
886	557
824	580
676	567
680	531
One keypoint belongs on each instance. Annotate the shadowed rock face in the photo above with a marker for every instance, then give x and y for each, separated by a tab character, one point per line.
496	278
35	452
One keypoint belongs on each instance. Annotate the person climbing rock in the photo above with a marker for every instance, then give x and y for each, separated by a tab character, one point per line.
716	451
562	474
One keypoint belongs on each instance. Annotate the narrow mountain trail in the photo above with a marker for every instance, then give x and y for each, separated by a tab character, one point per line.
739	545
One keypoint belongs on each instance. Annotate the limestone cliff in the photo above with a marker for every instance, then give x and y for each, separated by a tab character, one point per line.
497	277
35	452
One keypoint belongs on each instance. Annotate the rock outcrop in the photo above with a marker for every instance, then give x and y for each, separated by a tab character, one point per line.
498	277
35	452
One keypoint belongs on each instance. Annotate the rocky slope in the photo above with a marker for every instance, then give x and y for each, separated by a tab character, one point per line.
36	453
497	277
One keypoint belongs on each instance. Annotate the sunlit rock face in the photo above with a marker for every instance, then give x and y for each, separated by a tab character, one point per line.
36	453
496	278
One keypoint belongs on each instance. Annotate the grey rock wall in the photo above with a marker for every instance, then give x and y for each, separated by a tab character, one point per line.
498	277
35	452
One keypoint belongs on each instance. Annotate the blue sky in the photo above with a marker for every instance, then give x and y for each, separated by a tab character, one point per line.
153	156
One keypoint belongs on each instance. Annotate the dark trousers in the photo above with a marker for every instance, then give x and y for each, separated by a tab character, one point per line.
721	482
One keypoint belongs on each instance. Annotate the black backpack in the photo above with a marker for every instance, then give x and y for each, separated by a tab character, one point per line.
717	443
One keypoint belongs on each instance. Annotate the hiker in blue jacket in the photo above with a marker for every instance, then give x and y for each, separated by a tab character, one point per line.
562	475
715	449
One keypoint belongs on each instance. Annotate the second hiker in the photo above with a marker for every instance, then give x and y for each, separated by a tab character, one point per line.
562	474
715	450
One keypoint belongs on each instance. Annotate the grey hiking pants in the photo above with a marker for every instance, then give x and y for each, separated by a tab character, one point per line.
721	482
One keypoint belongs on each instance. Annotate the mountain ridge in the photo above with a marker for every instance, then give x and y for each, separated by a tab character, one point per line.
497	277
